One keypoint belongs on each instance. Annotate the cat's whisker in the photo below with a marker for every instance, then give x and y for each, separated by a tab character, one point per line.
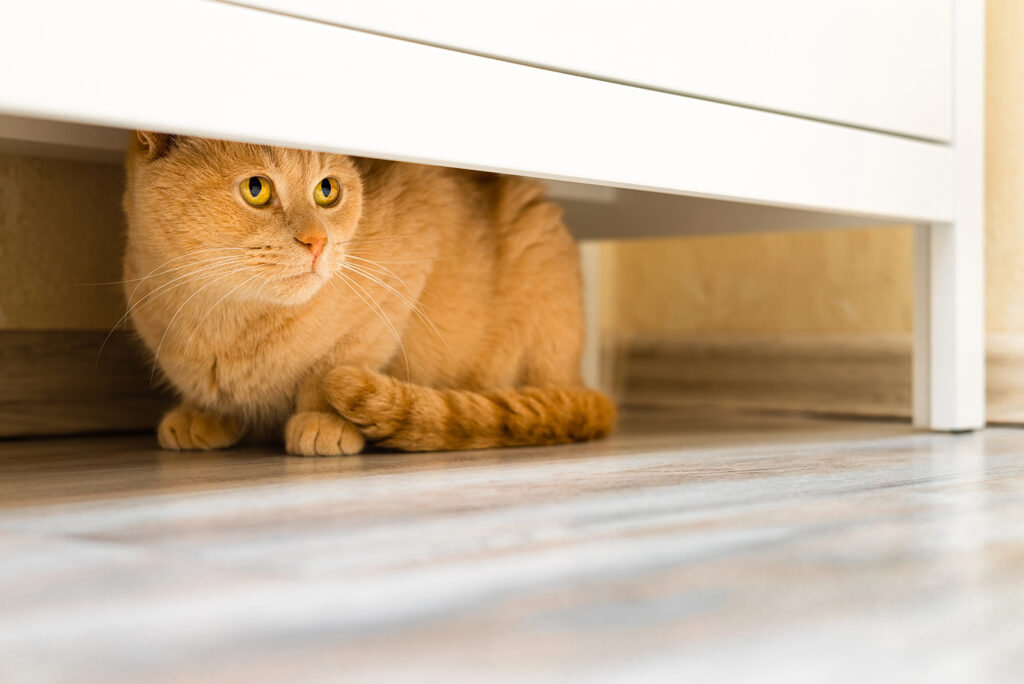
382	315
207	314
403	261
187	255
413	261
157	292
174	283
260	291
205	250
383	271
361	270
154	275
206	271
392	273
378	271
376	238
191	264
413	306
372	262
170	323
217	259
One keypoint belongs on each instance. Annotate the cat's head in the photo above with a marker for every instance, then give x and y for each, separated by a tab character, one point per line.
251	221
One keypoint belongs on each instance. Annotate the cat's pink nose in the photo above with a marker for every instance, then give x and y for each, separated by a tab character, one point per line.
314	243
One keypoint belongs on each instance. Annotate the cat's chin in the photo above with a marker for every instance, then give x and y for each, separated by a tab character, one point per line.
293	290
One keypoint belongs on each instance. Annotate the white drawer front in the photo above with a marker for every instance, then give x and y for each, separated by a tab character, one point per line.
880	64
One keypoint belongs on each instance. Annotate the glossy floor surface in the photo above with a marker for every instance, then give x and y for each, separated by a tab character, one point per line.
688	548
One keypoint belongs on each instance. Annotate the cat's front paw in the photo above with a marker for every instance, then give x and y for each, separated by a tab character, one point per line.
373	401
185	427
318	433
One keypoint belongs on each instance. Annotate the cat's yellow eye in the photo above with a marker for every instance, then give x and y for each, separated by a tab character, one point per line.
255	190
327	192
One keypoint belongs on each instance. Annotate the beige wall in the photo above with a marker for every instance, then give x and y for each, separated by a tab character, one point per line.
1004	172
836	281
854	281
60	231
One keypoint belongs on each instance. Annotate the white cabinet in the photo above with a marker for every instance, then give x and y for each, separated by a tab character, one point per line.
879	64
738	112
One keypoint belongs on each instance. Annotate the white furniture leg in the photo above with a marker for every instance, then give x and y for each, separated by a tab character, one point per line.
949	258
949	327
591	365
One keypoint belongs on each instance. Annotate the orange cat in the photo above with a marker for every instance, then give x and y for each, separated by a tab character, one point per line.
350	300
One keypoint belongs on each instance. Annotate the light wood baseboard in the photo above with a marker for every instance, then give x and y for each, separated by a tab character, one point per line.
857	375
51	383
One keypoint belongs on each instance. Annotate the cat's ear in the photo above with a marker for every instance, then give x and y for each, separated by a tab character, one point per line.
153	145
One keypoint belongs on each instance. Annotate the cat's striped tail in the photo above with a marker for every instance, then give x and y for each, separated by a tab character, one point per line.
400	415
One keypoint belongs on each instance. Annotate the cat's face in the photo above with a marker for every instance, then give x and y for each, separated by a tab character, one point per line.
247	221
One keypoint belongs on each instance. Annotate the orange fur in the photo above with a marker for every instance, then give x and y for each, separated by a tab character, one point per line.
444	312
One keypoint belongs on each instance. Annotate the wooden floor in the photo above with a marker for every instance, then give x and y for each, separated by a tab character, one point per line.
688	548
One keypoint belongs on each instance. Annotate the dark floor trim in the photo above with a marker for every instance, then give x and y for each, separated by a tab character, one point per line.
51	383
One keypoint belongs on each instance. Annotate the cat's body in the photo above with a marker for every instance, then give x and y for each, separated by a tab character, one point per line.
404	313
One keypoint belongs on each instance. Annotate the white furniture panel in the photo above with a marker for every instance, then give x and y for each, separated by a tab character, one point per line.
253	75
881	64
